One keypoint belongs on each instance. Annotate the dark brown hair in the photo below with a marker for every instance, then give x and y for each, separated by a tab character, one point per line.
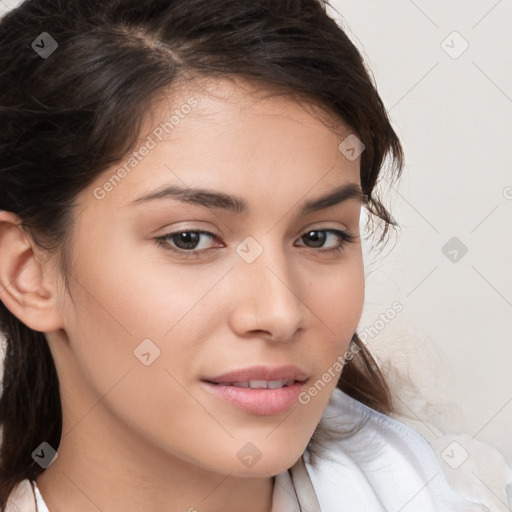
67	118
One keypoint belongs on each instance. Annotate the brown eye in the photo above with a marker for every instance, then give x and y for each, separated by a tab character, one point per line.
185	241
318	238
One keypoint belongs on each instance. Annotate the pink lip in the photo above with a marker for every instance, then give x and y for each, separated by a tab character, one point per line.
259	401
260	372
266	402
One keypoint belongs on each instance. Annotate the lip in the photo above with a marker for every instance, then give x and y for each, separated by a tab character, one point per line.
260	372
266	402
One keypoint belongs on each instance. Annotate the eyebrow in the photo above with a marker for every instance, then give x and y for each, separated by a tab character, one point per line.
237	205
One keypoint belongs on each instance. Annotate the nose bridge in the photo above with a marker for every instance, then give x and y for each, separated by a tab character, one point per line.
270	293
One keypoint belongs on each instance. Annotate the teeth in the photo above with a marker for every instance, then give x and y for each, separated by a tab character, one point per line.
257	384
262	384
275	384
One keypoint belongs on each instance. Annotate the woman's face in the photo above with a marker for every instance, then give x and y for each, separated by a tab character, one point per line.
152	315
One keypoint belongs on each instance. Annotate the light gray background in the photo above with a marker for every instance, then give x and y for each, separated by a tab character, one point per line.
453	113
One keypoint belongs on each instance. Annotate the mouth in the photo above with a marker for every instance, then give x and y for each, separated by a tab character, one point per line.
261	376
259	384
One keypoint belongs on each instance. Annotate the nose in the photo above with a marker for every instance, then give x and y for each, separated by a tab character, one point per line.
268	297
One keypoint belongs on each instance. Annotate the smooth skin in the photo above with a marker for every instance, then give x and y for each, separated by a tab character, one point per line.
152	438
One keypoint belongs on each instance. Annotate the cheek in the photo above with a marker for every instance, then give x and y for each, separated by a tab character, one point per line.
107	321
336	296
337	300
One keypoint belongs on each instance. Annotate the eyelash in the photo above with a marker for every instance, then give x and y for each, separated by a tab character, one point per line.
344	236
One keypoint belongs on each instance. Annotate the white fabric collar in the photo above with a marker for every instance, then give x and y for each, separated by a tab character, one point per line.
384	466
284	498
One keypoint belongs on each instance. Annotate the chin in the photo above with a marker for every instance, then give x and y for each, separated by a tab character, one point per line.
268	465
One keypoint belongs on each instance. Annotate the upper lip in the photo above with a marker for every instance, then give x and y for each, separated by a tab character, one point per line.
261	372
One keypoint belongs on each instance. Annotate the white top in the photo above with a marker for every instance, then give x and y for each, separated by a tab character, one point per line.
384	467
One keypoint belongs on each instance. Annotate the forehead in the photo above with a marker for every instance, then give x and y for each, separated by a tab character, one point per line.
241	101
235	136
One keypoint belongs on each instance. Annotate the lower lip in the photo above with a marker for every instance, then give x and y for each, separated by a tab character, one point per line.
265	402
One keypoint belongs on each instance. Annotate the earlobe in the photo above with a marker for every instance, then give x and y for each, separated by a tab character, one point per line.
26	288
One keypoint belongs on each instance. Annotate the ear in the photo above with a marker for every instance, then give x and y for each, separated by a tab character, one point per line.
27	285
